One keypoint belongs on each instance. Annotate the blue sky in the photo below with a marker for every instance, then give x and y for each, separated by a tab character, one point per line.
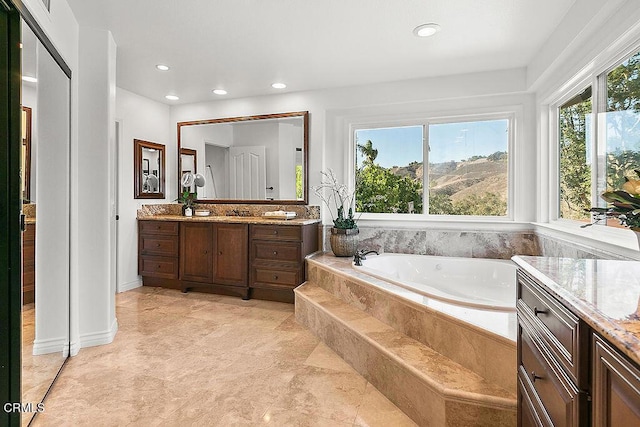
450	141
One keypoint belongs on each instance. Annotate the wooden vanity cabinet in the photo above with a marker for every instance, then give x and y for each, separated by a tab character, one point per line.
231	242
553	360
196	252
616	387
569	375
264	261
158	249
29	264
277	255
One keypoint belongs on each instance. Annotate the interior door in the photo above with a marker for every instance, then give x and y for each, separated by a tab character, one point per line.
247	172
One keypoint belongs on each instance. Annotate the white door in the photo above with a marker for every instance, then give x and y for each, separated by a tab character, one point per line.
247	173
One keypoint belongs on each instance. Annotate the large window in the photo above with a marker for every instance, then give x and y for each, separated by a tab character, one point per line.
617	143
466	174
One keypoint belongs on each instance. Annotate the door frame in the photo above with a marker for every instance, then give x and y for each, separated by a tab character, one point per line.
10	215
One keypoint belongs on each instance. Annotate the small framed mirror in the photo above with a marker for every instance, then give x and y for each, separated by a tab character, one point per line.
148	158
188	164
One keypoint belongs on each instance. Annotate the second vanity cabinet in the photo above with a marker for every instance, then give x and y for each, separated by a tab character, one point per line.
568	374
246	259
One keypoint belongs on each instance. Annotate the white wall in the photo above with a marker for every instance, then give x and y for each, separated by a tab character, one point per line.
140	118
96	219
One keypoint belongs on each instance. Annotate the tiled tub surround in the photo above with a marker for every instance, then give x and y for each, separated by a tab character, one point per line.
472	243
437	368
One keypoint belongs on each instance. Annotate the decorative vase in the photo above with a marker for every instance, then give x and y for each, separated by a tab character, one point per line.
188	212
344	242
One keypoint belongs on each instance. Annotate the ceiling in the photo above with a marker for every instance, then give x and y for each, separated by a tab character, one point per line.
243	46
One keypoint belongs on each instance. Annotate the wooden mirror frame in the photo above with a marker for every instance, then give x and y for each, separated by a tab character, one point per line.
138	183
305	156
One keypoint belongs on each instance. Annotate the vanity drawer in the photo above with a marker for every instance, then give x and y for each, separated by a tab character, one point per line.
264	277
155	244
159	227
563	404
275	251
276	232
559	328
155	266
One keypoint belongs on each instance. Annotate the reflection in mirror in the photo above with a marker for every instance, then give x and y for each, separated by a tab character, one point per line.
45	248
25	165
148	169
188	165
256	159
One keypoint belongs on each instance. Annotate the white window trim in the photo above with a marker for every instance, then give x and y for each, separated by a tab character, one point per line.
512	114
601	237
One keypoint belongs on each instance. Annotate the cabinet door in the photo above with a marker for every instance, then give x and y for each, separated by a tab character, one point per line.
616	387
196	252
231	254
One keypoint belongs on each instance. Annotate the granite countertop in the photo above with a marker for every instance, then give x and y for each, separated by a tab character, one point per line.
230	219
603	293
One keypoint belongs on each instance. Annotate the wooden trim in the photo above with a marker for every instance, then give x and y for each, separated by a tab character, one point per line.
305	117
26	142
138	145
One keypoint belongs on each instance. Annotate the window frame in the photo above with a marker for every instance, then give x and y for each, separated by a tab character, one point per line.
509	114
593	74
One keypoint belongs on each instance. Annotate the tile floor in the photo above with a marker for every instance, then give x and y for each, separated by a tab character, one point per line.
209	360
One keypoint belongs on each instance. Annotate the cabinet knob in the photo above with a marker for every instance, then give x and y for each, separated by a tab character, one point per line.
275	231
220	253
275	277
535	377
157	245
206	252
537	311
275	252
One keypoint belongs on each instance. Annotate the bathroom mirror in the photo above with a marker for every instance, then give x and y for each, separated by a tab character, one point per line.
46	243
250	159
148	160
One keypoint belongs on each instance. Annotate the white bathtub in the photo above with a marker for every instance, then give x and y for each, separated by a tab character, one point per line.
471	282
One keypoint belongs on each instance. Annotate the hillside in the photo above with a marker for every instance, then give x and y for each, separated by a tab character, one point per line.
460	179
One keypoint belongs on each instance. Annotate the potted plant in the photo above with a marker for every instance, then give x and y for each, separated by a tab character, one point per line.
187	203
344	233
625	204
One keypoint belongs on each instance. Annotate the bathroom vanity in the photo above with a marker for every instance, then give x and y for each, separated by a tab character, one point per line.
578	342
250	257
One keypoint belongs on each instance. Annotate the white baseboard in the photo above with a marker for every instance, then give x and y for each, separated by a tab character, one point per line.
52	345
123	287
99	338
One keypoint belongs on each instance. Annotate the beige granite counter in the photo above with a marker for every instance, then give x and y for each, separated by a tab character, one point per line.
229	219
603	293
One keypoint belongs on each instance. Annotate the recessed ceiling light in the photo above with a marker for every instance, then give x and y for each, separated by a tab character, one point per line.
278	85
29	79
172	97
162	67
426	30
220	91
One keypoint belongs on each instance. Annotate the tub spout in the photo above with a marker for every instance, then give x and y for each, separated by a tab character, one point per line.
362	254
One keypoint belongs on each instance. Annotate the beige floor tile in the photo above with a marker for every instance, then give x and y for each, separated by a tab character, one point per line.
377	411
210	360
